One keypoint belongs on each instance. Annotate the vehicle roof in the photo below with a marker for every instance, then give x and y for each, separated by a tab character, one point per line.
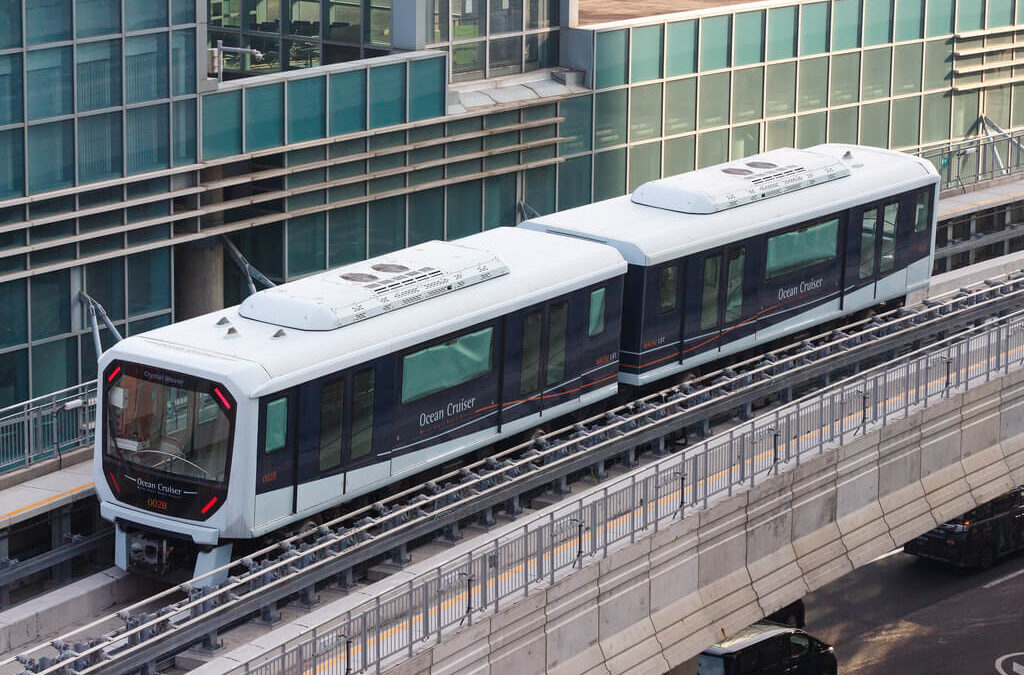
539	266
646	235
752	634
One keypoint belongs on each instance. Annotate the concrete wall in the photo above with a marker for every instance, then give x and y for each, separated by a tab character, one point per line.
654	605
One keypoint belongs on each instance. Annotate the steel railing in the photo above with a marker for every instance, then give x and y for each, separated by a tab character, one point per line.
45	426
542	550
976	160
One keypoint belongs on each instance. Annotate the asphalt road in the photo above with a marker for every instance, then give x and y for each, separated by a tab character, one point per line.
904	615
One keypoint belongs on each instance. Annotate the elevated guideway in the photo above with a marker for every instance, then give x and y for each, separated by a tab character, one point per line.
640	574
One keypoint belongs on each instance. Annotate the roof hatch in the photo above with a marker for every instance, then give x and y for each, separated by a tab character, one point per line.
743	181
362	290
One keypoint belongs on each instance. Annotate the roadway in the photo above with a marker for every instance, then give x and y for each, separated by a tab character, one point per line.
903	615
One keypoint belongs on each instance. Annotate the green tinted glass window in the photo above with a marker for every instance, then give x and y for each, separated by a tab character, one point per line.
747	94
999	13
842	125
780	89
426	88
715	43
595	320
578	125
909	20
939	18
877	65
347	234
610	118
348	102
574	182
793	251
970	15
644	164
923	211
332	404
426	215
935	121
645	57
307	109
645	112
813	29
782	27
387	95
906	125
874	119
610	70
846	17
681	48
363	388
529	370
307	244
713	148
714	100
907	68
264	117
749	28
446	365
938	64
780	133
709	292
965	113
845	78
877	22
609	174
888	258
668	288
465	209
812	84
680	106
558	330
866	267
745	141
680	155
734	284
275	429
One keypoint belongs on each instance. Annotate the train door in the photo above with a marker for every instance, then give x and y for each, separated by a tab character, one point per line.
721	299
536	358
277	458
871	249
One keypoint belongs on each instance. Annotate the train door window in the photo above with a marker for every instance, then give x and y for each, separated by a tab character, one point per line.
709	292
668	288
332	403
793	251
922	211
596	322
557	333
362	412
867	244
889	216
529	372
446	365
276	429
734	284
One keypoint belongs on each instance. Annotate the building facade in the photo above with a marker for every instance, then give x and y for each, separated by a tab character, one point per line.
123	161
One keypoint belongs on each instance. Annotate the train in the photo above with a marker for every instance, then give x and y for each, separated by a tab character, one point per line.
222	430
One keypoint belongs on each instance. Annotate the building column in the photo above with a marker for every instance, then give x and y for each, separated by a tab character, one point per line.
198	278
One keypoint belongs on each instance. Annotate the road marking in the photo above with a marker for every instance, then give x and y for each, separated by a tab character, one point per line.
1000	580
886	555
1013	661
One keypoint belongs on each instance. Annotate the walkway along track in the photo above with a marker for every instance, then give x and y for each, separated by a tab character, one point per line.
297	564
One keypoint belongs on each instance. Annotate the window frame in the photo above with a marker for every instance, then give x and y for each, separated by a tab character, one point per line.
603	290
668	273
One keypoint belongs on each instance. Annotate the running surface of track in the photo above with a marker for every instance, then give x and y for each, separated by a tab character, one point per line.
903	615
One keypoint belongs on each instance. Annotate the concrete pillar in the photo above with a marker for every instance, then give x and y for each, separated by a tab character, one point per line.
198	278
412	24
60	534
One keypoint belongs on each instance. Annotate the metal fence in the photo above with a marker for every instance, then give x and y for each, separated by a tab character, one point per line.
977	160
546	548
46	426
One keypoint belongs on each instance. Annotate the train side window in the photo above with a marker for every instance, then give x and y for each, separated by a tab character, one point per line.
709	292
557	333
276	425
922	211
889	216
668	288
596	322
332	403
734	285
867	244
808	246
446	365
362	412
529	372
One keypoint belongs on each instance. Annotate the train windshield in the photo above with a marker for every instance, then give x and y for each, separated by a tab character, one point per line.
169	423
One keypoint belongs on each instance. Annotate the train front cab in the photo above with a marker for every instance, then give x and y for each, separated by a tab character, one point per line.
337	437
688	311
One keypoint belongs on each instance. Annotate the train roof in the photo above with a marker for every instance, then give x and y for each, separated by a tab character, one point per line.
524	268
673	217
